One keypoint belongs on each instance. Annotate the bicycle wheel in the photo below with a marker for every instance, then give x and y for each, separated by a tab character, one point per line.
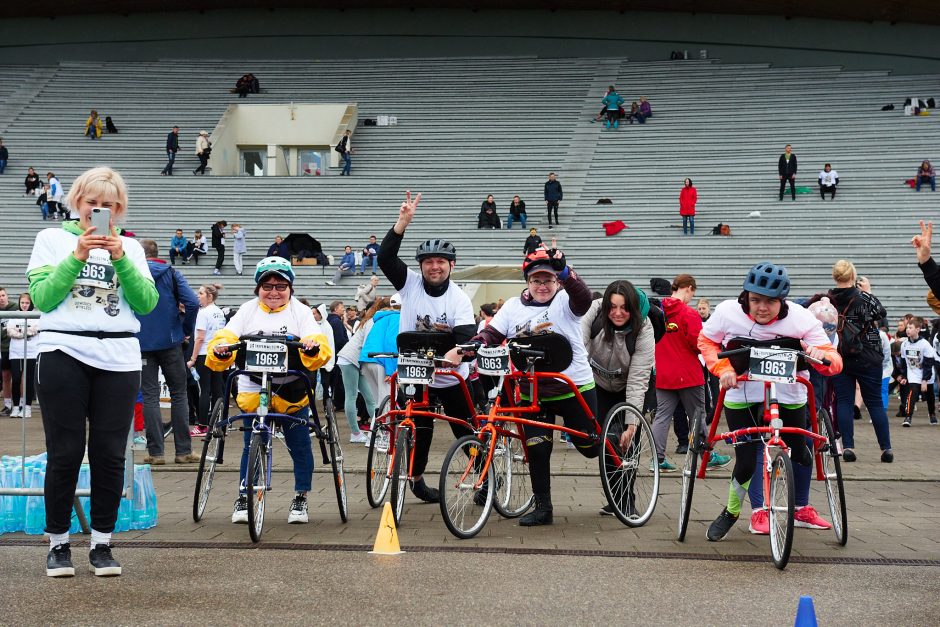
832	475
212	446
378	462
256	484
781	503
336	461
400	470
463	507
632	485
513	496
381	410
689	468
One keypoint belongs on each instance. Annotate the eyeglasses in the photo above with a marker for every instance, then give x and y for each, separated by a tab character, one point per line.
538	283
280	287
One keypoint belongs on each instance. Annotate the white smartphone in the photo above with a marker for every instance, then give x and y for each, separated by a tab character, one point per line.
101	220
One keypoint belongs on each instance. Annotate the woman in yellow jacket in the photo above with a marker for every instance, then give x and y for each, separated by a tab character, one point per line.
275	311
93	125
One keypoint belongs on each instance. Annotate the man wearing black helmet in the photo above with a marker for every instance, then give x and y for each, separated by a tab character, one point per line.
430	302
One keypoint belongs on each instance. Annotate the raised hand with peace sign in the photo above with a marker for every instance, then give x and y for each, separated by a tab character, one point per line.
922	242
406	212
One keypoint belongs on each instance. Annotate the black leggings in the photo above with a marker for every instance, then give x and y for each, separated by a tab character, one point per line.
455	405
71	395
539	439
908	401
211	384
16	367
552	206
219	257
745	455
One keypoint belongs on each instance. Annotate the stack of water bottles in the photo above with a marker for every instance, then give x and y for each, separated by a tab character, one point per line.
28	513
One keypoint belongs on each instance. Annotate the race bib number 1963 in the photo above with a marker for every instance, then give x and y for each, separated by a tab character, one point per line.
493	361
772	364
415	370
265	357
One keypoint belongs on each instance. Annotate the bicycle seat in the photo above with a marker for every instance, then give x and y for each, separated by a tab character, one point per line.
439	342
741	362
556	347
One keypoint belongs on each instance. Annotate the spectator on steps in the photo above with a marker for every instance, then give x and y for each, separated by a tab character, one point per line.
43	202
172	147
347	266
200	246
93	125
243	86
828	179
367	294
532	243
516	212
218	243
645	111
279	248
488	218
370	254
33	185
634	112
925	174
241	248
179	247
687	199
612	103
4	156
553	196
344	148
786	168
55	196
203	150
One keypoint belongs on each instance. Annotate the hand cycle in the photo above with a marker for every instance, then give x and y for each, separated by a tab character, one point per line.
390	459
629	479
772	365
263	357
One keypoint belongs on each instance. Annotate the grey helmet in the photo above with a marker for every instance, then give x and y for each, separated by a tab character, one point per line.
436	248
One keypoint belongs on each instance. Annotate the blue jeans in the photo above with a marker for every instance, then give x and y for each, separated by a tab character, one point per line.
688	225
170	158
365	261
920	179
3	165
509	220
869	382
45	210
347	163
297	438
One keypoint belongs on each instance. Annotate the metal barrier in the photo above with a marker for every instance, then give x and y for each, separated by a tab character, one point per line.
127	493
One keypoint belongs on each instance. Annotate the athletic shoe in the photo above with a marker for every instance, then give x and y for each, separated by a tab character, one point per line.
427	494
59	561
808	518
718	461
217	272
197	431
17	412
140	443
848	455
607	510
329	283
189	458
665	466
933	419
719	529
102	563
358	438
907	422
29	413
6	411
155	460
682	449
240	513
887	456
298	511
760	523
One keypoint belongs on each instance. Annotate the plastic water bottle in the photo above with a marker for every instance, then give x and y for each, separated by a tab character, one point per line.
193	372
35	505
151	498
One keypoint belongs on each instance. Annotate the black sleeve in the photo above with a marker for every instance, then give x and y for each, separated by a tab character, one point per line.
561	194
392	266
793	157
931	275
782	166
902	367
579	294
927	368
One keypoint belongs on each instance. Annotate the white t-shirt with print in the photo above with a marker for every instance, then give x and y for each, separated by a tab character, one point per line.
729	321
914	353
16	344
421	312
209	319
95	303
514	319
828	178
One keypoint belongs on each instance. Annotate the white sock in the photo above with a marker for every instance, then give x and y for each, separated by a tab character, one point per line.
8	403
97	537
55	539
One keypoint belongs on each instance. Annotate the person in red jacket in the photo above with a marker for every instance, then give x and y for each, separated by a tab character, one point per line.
679	377
687	199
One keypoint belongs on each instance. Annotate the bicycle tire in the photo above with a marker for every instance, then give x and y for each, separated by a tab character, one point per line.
256	484
462	470
336	461
689	468
781	505
212	447
399	481
631	487
513	492
379	463
832	475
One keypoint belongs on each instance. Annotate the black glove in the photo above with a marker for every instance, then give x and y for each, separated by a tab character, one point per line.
558	264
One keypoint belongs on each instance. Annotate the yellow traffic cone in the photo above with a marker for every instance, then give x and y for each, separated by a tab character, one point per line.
386	540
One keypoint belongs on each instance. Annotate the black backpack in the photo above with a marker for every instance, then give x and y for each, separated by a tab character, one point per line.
852	343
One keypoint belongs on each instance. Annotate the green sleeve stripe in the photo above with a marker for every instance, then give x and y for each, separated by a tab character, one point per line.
49	285
139	290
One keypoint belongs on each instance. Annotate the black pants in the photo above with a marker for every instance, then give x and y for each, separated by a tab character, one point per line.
71	395
219	256
827	189
210	389
783	184
745	455
539	439
203	162
552	205
16	368
908	401
455	405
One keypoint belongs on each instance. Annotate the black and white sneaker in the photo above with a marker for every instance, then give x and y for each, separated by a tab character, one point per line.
424	492
907	422
721	526
298	511
59	561
240	513
102	563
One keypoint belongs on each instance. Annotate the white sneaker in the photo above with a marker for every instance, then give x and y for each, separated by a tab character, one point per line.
29	412
298	510
140	443
359	438
17	412
240	514
329	282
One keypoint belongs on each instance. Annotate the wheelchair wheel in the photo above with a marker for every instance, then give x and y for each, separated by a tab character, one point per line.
631	480
212	447
336	460
256	484
832	475
781	503
513	496
689	468
399	481
378	462
465	507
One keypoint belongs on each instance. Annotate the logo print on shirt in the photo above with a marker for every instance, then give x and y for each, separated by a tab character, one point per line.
536	326
426	323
